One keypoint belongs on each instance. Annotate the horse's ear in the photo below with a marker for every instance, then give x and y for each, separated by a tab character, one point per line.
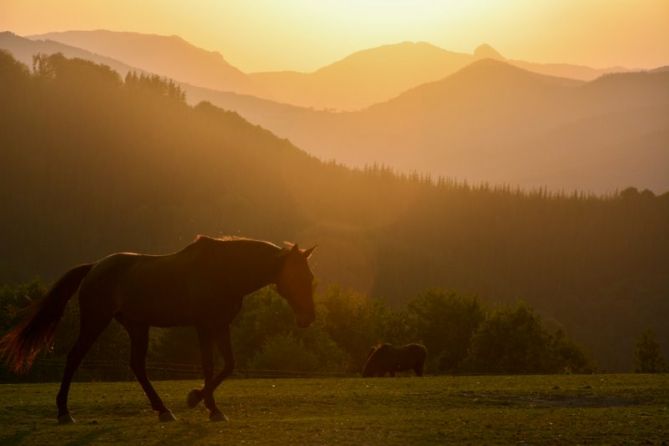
307	252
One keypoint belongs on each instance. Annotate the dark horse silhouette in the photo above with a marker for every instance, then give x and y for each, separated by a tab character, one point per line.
386	358
202	286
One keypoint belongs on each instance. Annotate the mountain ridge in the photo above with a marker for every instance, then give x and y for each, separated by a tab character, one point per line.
430	63
24	49
170	56
353	82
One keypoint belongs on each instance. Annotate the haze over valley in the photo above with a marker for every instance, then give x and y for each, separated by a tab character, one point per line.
418	108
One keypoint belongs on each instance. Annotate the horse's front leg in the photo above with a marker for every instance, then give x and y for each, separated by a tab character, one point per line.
224	344
206	340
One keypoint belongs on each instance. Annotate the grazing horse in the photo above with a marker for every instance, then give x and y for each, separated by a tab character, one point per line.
386	358
201	286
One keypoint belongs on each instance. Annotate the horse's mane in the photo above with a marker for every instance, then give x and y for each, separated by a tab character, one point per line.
223	238
230	238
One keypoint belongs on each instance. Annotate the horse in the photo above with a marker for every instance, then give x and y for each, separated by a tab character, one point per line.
386	358
202	286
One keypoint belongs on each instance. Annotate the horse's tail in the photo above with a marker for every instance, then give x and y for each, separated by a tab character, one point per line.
19	346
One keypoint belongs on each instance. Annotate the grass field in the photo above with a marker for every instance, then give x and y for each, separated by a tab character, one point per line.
589	409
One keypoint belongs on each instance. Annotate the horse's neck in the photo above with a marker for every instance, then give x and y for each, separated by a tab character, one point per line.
249	270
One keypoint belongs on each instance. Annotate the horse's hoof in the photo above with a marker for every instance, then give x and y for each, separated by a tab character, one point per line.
217	416
194	398
166	417
66	419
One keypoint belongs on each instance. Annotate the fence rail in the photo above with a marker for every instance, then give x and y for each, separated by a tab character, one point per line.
107	369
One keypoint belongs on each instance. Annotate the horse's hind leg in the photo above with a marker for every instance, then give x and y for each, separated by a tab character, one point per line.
91	326
139	344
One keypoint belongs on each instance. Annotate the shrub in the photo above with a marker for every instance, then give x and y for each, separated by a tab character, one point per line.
513	340
648	355
284	352
445	323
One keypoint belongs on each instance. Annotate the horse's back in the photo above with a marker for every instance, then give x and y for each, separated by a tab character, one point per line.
138	286
205	281
106	274
416	351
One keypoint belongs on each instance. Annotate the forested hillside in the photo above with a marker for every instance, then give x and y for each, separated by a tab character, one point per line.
91	163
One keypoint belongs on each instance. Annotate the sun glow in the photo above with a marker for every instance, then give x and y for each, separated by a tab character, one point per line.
304	34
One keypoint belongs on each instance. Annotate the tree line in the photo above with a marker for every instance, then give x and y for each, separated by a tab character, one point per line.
93	163
462	335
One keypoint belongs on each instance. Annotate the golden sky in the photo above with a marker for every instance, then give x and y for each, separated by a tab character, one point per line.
262	35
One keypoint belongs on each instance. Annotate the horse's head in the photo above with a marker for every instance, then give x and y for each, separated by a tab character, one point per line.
295	283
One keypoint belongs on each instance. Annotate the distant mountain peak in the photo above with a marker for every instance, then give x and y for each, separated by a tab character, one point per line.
490	65
485	51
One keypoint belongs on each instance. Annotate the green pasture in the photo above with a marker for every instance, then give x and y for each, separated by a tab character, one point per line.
581	409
